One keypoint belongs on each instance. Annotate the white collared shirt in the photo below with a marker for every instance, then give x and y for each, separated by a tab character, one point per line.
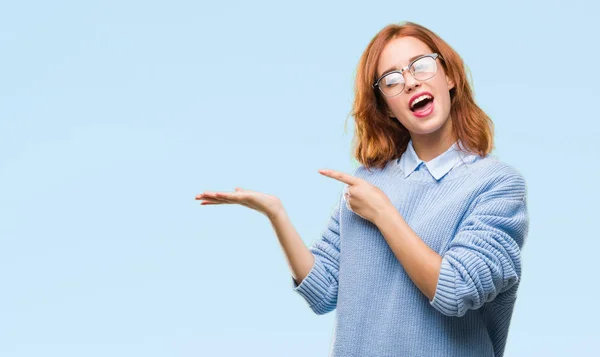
438	166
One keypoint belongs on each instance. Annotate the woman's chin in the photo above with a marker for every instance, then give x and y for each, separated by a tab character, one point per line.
424	127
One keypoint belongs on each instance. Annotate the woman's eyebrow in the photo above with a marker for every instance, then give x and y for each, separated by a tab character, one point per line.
409	61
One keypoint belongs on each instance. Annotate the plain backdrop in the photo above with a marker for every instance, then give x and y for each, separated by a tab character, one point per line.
115	114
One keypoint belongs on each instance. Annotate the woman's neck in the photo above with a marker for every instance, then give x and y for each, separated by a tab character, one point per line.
430	147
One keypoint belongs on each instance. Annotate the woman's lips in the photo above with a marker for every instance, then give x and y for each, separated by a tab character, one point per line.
425	111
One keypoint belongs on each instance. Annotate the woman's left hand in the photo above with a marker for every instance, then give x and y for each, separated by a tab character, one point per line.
363	198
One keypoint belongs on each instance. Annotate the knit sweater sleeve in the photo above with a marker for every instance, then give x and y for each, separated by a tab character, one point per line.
484	257
320	287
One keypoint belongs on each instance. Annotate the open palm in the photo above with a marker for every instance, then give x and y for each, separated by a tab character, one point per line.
268	205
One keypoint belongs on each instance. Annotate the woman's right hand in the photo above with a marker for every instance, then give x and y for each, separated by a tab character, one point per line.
269	205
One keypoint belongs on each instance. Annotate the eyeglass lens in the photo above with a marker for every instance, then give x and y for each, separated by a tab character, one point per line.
422	69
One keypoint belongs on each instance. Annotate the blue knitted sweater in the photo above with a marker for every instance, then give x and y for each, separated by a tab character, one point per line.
475	217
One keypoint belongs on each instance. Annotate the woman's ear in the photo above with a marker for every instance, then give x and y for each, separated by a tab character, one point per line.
450	83
390	113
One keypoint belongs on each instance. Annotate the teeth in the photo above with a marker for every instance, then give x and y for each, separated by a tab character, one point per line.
423	97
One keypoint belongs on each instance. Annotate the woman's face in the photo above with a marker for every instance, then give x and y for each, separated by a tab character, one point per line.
398	53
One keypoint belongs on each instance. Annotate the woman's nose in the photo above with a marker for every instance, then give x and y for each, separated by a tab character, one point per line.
410	83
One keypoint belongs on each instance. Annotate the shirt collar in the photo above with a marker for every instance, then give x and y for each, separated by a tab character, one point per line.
438	166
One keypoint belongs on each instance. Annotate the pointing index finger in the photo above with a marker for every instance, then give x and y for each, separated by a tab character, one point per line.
340	176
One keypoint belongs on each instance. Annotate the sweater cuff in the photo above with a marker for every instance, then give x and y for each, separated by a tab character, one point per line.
315	285
445	299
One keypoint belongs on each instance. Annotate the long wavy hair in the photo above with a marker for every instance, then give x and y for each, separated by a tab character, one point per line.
380	138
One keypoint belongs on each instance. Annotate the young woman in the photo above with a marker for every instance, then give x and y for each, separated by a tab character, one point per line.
421	255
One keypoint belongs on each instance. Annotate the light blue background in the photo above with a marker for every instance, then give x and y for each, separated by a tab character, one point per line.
114	115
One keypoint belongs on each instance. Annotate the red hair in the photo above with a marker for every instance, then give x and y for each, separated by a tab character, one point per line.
380	138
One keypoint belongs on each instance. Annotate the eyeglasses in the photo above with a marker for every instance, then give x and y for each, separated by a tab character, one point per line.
422	68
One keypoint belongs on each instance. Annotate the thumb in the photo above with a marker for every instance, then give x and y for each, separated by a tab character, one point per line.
239	189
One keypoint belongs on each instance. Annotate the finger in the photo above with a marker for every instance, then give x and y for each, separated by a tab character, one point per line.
340	176
212	203
216	196
239	189
212	194
347	189
206	194
219	195
348	205
229	196
214	200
